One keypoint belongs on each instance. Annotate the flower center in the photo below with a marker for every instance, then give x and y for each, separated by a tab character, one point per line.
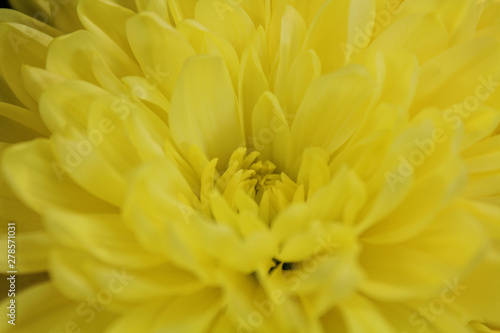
254	176
248	177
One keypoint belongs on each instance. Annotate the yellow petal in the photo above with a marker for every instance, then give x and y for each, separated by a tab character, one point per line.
66	103
30	169
159	7
483	184
488	24
163	57
335	30
440	248
149	94
6	94
361	316
435	316
423	34
129	323
181	9
204	112
227	19
271	134
106	78
484	156
308	10
64	16
44	308
202	307
307	67
21	45
478	126
37	80
479	293
207	42
345	191
251	85
331	109
339	278
460	17
176	315
12	209
18	124
61	15
257	11
445	182
87	149
150	201
460	78
80	276
106	20
35	20
293	33
71	56
32	256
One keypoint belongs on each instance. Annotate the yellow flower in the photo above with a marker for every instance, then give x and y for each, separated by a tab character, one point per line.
251	166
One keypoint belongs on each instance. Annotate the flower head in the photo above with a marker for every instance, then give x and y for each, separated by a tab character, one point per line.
253	165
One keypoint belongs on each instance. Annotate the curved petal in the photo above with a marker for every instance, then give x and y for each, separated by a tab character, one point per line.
449	247
459	79
31	170
21	45
422	34
335	31
71	56
478	296
227	19
332	109
44	308
106	20
161	56
203	111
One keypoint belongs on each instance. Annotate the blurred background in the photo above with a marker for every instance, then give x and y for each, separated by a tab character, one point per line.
5	3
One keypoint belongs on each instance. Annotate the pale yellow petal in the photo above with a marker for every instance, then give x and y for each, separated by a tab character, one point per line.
106	20
251	85
44	308
207	42
271	133
227	19
37	80
159	7
336	29
293	33
181	9
434	316
478	295
30	170
307	66
204	112
29	20
440	249
71	56
459	16
161	58
18	124
339	99
423	34
361	316
459	79
21	45
66	103
32	250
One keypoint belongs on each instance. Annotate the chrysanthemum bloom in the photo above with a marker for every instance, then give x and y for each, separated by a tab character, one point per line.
252	165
